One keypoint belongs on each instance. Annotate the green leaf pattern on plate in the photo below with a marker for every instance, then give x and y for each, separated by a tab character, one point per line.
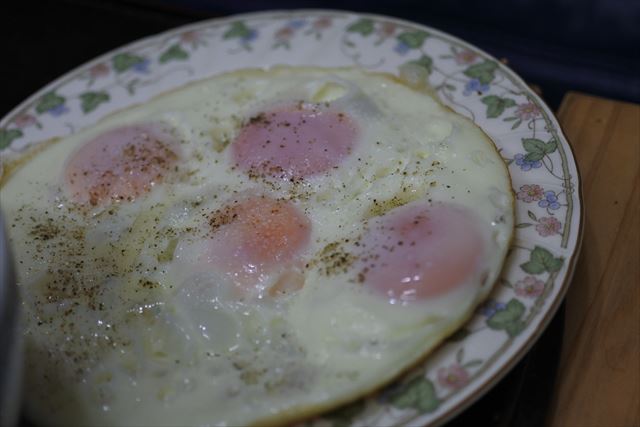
48	102
485	71
125	61
413	39
174	53
419	394
237	30
424	61
363	27
496	105
541	261
91	100
7	136
509	319
537	149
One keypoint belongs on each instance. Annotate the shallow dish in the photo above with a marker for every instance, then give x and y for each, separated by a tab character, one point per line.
544	174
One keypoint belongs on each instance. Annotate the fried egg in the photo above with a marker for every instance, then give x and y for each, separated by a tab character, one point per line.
254	248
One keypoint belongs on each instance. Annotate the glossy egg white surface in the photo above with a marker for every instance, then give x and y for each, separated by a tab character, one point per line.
225	292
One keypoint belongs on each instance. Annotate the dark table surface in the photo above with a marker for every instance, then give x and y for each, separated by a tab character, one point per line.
43	40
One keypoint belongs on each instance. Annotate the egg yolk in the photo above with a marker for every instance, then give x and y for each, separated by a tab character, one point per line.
255	237
120	164
417	251
294	142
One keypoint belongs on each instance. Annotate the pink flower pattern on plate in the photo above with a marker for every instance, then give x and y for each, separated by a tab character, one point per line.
386	29
530	193
465	56
99	70
527	111
454	376
529	287
284	34
322	23
548	226
25	120
190	37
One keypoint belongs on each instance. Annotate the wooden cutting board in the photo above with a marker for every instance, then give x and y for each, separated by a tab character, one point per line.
598	380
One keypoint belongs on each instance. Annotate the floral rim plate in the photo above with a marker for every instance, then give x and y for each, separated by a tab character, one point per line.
545	179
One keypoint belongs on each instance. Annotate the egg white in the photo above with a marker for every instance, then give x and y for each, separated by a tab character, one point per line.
135	333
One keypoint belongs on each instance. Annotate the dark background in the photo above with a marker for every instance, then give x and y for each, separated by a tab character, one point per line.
558	45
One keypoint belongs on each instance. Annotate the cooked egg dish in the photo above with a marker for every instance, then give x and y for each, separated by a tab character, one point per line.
255	248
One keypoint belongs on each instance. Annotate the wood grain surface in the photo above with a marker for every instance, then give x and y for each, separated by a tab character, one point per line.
599	374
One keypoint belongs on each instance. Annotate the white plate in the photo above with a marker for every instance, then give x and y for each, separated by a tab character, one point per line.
541	164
